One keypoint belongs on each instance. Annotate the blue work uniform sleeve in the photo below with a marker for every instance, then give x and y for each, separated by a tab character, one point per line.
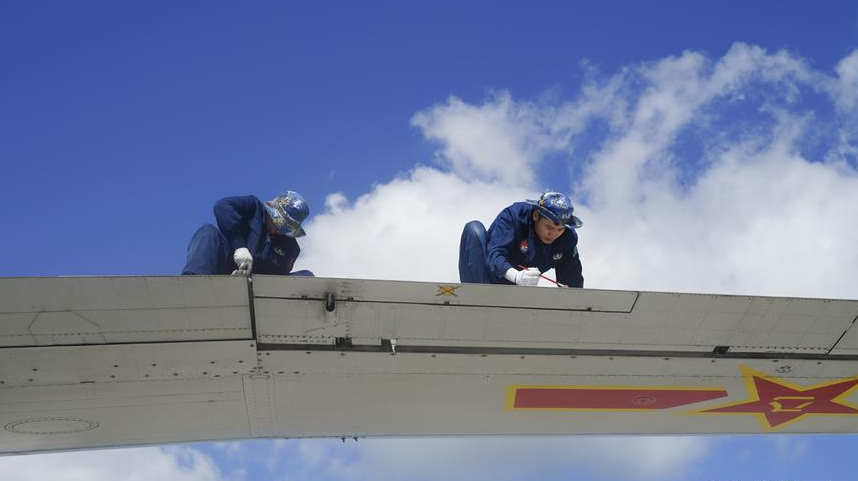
278	257
233	216
501	239
569	270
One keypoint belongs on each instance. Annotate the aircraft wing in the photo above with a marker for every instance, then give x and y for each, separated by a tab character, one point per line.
114	361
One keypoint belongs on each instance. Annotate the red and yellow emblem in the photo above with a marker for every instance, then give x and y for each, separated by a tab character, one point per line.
777	403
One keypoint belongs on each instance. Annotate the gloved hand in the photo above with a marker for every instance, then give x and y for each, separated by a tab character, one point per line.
526	277
244	262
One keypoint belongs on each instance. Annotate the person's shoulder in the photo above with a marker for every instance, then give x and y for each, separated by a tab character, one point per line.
569	238
240	198
520	209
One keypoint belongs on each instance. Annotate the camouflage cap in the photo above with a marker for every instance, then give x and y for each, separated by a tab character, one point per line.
557	207
287	212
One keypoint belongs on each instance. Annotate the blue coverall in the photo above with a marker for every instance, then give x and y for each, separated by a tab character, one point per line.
242	224
511	241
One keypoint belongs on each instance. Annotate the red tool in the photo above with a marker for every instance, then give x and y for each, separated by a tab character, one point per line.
546	278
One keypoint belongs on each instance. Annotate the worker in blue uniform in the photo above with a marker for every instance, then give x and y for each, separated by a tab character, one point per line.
525	240
250	237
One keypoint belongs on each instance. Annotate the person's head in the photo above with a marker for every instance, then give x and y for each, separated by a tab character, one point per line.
285	214
552	215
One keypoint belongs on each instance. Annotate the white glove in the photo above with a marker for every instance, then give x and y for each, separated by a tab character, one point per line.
244	262
526	277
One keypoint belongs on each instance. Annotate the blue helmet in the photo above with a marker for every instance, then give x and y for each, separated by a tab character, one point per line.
557	207
287	212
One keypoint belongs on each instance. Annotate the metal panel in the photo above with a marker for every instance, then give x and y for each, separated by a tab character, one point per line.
848	344
358	393
297	322
62	397
75	416
37	366
261	405
443	293
746	324
292	311
72	311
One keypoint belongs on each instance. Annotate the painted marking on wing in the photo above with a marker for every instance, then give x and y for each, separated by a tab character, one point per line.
447	291
607	398
777	403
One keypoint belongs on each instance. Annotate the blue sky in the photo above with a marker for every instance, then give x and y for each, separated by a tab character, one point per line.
708	148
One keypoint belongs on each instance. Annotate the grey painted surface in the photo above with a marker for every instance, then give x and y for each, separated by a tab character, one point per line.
173	359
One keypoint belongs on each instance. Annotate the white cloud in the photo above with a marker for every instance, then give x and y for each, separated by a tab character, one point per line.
847	88
135	464
498	141
452	459
401	229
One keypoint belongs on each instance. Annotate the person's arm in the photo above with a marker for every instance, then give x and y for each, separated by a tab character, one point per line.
233	215
569	270
292	256
501	239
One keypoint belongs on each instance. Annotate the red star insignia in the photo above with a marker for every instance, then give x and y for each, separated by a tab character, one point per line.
776	402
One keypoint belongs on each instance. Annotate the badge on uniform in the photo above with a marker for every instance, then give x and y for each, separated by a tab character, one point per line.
557	256
279	251
524	246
